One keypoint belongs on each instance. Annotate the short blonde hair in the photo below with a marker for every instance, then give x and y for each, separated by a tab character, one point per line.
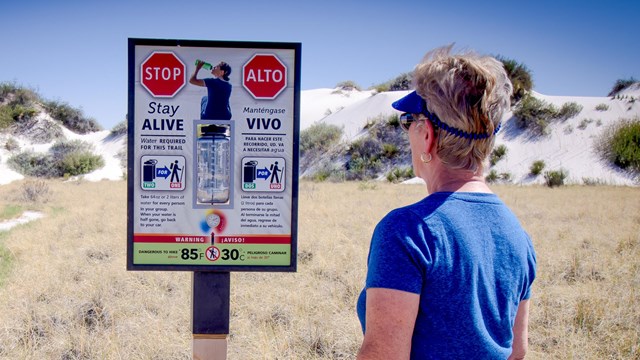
465	91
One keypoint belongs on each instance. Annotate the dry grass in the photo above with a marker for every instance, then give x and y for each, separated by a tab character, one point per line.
68	295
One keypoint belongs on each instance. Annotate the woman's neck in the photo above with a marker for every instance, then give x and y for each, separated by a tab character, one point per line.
443	179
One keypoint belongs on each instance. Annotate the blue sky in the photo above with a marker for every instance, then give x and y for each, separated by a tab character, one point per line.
76	51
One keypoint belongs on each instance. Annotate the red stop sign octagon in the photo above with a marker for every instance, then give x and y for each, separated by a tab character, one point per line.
264	76
163	74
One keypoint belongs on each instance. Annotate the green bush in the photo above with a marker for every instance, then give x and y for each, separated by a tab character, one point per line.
394	120
348	85
389	150
363	168
584	123
61	149
498	153
534	114
319	137
34	164
12	94
620	144
366	148
6	117
6	89
569	110
397	175
520	77
67	158
11	145
492	176
555	177
399	83
602	107
620	85
72	118
120	129
537	167
12	113
78	163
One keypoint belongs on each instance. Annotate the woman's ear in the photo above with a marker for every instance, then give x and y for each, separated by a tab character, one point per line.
428	136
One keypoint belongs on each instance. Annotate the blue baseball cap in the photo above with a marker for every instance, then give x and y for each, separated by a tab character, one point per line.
411	103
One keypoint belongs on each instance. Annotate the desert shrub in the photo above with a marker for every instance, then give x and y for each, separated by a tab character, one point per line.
6	89
65	158
13	94
34	164
72	118
389	150
362	168
12	113
602	107
366	147
620	144
555	177
620	85
35	191
493	177
537	167
569	110
534	114
397	175
120	129
593	182
78	163
348	85
584	123
401	82
122	155
63	148
11	145
6	118
393	120
497	154
16	104
520	77
319	137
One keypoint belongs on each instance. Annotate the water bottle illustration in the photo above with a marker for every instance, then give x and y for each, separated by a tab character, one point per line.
205	65
213	164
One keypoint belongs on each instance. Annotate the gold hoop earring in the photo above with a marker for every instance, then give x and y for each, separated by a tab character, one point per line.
422	157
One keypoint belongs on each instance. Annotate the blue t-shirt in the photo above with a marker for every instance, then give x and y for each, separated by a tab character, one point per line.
471	262
217	103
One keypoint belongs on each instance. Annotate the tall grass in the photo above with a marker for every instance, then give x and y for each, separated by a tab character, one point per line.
67	294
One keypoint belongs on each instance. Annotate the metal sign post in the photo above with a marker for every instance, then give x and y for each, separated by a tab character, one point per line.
210	318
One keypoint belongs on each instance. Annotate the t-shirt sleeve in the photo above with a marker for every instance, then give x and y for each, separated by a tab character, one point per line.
398	255
530	270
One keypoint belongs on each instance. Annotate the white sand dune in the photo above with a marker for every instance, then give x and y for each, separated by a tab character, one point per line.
569	145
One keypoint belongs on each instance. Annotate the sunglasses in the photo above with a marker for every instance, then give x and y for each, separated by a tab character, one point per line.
405	121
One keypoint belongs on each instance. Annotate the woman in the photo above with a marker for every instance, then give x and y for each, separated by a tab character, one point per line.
449	277
214	106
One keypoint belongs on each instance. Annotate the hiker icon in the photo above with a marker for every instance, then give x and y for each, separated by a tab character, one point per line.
176	172
274	173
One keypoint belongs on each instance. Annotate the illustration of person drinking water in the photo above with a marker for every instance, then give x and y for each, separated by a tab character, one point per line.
215	105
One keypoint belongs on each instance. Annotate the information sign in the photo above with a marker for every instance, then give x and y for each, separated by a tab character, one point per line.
213	155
